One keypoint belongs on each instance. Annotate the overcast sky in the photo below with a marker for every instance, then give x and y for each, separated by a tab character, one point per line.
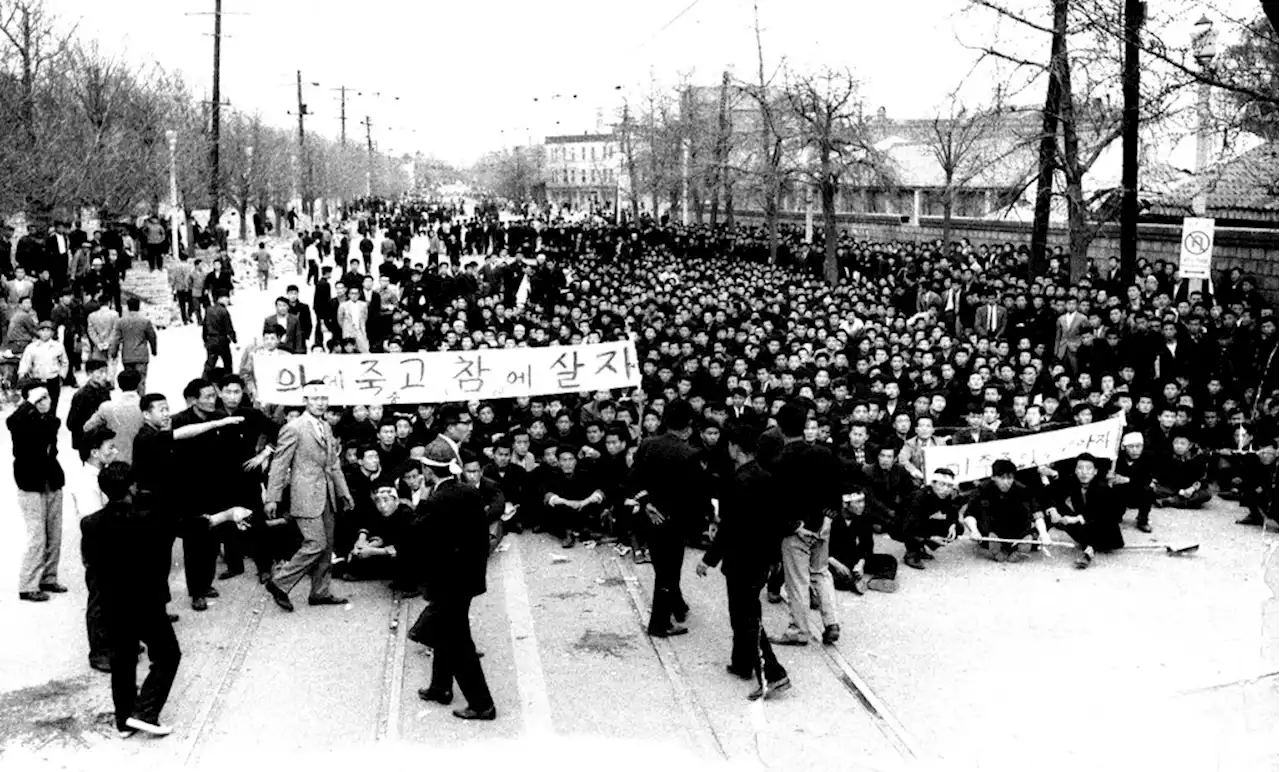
467	73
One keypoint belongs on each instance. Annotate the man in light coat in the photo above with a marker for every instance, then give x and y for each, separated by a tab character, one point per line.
306	460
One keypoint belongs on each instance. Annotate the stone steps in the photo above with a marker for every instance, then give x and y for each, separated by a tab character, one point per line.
152	288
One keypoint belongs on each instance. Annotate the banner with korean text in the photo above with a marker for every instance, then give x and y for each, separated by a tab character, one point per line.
973	462
448	376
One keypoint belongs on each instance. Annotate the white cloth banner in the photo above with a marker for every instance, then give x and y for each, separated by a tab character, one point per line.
448	376
973	462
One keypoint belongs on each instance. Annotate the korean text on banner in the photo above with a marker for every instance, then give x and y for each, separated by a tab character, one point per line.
973	462
1196	256
448	376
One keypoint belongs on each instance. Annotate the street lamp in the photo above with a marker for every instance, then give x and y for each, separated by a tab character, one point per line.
173	188
248	191
1204	46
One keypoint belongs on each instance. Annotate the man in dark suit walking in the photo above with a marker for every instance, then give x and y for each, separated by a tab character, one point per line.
126	546
456	543
747	541
306	460
674	492
303	312
219	334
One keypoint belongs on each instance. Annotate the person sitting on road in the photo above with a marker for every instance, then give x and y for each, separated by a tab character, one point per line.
854	564
930	518
573	502
1182	479
1088	511
1003	508
377	553
1259	492
1131	479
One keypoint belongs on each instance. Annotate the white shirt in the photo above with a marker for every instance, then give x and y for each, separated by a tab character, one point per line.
86	496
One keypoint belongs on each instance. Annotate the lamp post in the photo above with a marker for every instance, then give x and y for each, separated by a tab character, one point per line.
248	191
173	189
1204	46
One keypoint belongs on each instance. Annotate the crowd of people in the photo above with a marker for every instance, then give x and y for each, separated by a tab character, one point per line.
780	423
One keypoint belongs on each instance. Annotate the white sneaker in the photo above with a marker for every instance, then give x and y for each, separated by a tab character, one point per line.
159	730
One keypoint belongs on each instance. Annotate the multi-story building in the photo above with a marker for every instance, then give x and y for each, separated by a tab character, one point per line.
583	172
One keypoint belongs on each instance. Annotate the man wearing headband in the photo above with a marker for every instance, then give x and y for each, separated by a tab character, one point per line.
1131	479
455	554
306	460
931	518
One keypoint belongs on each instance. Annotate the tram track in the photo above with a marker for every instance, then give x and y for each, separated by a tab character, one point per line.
697	717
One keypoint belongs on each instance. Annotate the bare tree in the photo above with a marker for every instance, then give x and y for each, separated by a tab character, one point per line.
627	140
963	142
838	144
1079	123
769	165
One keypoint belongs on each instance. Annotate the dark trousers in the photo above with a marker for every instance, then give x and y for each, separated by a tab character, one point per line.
752	651
54	385
667	552
155	256
1136	497
875	567
185	306
232	541
215	353
199	560
454	656
95	621
776	579
149	625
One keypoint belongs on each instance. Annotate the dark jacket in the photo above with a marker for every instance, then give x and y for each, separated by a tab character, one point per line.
667	468
126	546
456	542
218	329
35	449
84	403
809	483
1005	515
751	524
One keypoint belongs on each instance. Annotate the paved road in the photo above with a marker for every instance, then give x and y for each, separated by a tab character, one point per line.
1143	661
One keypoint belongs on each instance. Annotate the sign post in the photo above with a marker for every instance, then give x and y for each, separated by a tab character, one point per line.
1196	255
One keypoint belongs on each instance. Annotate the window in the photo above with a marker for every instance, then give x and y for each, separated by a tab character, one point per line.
593	153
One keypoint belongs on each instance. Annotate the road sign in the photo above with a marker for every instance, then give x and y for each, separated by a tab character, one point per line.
1197	247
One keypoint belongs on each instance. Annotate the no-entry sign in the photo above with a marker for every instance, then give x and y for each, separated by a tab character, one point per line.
1197	248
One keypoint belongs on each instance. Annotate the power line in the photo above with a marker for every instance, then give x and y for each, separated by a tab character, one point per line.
674	19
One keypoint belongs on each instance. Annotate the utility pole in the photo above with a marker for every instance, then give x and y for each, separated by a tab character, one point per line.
342	114
368	138
216	115
1134	10
302	144
215	112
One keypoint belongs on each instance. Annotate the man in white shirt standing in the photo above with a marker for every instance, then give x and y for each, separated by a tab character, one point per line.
45	360
97	450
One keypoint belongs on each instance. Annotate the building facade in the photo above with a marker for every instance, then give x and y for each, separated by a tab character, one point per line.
583	172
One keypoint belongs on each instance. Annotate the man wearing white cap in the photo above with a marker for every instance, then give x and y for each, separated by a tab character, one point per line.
306	460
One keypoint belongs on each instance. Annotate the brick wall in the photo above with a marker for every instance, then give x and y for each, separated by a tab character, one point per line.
1253	250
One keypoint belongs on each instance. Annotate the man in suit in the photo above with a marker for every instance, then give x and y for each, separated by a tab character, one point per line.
137	341
456	546
1068	334
674	492
992	319
306	459
322	300
219	334
747	541
303	312
293	341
